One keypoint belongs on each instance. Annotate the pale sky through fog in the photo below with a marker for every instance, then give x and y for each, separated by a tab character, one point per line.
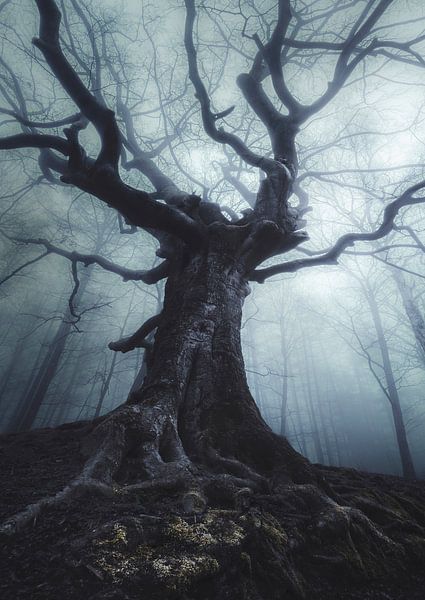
374	126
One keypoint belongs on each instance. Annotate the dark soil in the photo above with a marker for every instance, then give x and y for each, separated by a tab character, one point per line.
279	546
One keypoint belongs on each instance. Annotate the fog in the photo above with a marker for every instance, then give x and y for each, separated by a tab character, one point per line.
328	348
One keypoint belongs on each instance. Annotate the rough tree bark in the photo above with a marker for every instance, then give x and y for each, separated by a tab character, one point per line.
196	383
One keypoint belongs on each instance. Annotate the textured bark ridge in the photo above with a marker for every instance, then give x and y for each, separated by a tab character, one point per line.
193	423
196	398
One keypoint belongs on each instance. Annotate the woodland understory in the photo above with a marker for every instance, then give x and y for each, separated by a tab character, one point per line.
183	491
351	535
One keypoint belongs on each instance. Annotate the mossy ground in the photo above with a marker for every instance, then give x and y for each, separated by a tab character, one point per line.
288	545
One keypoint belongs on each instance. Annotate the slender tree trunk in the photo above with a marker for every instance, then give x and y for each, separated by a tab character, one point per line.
15	360
84	411
333	408
36	394
310	408
319	404
59	414
284	401
400	430
107	378
143	354
297	421
413	312
31	402
105	386
19	406
285	372
143	369
258	394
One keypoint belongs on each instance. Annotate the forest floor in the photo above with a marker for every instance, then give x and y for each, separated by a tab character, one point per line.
125	547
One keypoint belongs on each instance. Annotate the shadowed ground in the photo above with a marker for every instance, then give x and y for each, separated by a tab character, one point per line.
159	544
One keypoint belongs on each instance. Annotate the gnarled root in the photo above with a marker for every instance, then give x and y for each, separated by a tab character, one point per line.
176	525
137	450
107	448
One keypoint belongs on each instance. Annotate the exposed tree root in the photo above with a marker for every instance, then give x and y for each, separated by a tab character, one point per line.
108	448
72	491
201	530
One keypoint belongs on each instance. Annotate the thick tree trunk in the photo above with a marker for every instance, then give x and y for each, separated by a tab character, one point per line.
195	400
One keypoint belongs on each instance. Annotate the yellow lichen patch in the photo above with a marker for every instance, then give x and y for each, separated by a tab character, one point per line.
118	535
144	552
233	536
216	528
117	565
222	525
274	532
179	554
179	572
112	555
197	533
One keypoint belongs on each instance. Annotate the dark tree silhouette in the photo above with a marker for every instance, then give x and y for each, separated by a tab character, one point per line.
193	425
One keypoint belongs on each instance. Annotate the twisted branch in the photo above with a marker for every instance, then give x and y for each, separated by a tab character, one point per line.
332	255
149	276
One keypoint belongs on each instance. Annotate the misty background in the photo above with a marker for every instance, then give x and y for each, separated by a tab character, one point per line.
326	348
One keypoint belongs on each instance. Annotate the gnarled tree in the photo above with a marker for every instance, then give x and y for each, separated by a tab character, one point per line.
193	424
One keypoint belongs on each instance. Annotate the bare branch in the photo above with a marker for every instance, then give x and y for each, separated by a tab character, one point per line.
371	363
20	268
332	255
246	193
149	276
272	52
137	206
138	339
41	124
344	68
101	117
208	116
412	234
399	267
74	271
35	140
282	129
